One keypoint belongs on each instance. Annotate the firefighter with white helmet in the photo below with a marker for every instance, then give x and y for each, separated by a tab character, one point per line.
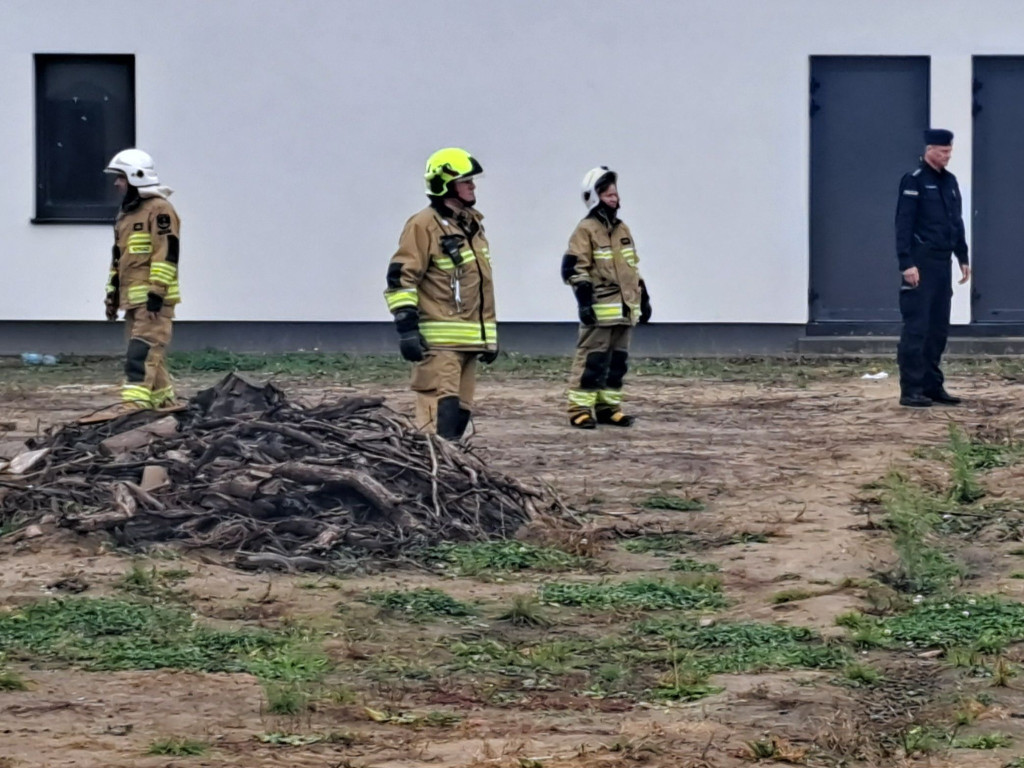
144	277
600	265
441	294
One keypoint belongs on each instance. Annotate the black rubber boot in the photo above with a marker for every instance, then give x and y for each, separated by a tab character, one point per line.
607	414
582	420
464	416
448	418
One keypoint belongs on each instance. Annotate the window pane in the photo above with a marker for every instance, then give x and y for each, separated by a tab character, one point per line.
85	113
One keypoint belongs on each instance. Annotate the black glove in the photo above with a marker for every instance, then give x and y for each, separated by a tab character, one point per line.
585	302
645	304
489	356
110	305
412	345
154	302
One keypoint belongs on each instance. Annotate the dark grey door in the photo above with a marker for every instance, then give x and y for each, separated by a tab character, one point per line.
997	228
867	117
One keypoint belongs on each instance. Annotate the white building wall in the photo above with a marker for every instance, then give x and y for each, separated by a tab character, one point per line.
295	133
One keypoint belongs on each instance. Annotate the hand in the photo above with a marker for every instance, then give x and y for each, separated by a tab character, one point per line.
489	356
154	303
965	271
110	305
912	276
645	305
587	315
412	345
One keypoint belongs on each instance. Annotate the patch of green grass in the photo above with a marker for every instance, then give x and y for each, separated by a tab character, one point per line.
289	698
983	741
498	557
669	501
420	603
1017	762
912	515
109	634
791	595
964	455
692	566
175	746
671	543
152	583
642	594
685	683
11	680
985	623
746	646
525	611
859	674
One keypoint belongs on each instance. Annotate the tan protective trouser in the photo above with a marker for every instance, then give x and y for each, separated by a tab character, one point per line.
599	366
442	373
146	366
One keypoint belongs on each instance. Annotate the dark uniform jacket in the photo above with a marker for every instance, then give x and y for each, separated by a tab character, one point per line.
929	218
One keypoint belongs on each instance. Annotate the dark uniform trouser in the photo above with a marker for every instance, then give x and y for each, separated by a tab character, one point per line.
147	381
600	364
925	311
444	383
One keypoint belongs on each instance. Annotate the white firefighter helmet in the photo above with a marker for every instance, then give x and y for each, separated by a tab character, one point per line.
594	178
136	165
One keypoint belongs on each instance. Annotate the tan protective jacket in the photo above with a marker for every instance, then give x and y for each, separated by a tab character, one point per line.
443	268
606	258
145	255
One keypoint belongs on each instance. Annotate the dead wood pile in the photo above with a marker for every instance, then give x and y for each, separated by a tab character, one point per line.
245	470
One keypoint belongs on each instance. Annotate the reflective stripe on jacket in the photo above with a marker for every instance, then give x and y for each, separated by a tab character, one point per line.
443	268
146	251
605	256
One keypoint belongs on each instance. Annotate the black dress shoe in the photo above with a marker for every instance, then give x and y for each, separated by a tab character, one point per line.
916	401
944	398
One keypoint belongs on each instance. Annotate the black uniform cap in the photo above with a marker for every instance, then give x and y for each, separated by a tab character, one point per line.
940	137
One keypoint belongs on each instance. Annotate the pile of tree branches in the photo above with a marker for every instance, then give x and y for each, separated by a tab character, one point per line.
243	469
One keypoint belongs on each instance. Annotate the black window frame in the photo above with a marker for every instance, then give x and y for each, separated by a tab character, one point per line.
96	211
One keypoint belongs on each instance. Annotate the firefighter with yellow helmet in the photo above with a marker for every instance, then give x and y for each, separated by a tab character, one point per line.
600	265
441	294
143	277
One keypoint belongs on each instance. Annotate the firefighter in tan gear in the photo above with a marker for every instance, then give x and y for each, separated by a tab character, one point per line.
600	265
144	278
440	291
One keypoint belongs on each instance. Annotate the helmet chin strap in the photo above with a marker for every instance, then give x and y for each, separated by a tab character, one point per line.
131	196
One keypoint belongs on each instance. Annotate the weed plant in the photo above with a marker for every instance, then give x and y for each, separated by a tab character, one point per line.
500	557
641	594
108	634
964	488
982	623
178	747
690	565
420	604
676	503
746	646
912	516
983	741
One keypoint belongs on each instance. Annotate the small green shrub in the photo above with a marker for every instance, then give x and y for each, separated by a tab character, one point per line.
642	594
497	557
178	747
420	603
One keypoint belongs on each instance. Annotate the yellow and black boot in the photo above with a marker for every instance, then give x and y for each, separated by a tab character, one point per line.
582	418
612	414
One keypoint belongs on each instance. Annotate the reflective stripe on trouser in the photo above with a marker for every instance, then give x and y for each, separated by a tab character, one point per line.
442	373
463	333
601	352
146	378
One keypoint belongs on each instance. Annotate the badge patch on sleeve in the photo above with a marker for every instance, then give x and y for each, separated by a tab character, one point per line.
137	226
163	222
625	241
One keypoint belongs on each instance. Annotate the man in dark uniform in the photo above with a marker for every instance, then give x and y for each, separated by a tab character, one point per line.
929	227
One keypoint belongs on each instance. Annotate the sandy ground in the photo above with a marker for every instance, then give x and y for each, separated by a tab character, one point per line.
785	461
